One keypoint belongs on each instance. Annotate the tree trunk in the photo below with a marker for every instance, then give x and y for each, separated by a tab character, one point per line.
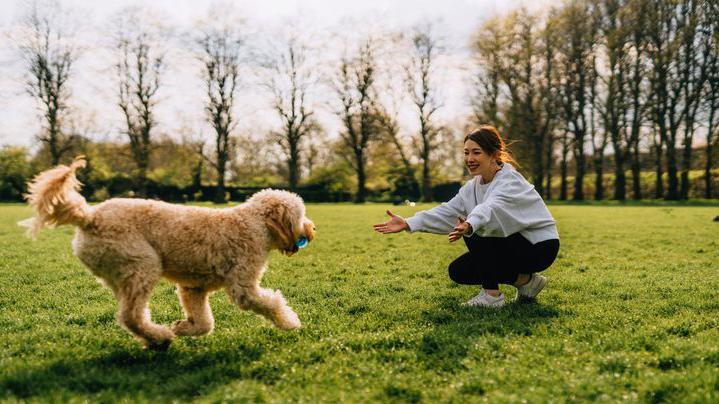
142	180
54	137
548	186
620	180
221	169
426	177
579	177
360	197
659	185
686	167
293	166
687	154
220	190
563	170
599	178
636	172
673	181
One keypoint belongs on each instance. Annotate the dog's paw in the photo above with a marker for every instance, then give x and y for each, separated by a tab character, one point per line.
182	327
288	319
187	328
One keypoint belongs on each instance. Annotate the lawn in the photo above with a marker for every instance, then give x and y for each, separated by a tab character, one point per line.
631	313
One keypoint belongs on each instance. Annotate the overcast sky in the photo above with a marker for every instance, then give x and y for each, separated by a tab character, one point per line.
181	99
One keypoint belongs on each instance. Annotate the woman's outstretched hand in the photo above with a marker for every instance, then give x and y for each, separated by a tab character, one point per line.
460	230
395	224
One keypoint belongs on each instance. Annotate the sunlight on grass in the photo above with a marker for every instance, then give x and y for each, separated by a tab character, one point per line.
631	312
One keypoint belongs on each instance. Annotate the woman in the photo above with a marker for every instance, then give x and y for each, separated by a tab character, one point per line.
508	230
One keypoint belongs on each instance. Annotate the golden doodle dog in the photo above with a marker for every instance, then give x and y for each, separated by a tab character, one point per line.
128	244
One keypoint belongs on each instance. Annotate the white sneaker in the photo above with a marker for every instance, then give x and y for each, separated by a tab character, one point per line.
485	300
532	288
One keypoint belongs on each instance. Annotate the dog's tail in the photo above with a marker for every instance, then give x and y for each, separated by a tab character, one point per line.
54	196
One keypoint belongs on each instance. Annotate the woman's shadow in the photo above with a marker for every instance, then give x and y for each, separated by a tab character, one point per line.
457	329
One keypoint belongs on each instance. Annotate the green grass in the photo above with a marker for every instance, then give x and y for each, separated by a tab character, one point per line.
631	313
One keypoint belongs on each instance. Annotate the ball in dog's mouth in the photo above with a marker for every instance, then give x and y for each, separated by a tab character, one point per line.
302	242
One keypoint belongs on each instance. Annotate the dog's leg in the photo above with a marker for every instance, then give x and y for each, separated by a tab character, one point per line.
134	294
198	315
268	303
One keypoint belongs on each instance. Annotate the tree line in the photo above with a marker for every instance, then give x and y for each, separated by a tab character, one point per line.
611	77
613	88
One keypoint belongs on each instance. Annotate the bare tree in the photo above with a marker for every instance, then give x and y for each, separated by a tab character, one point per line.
549	42
139	69
671	29
220	55
658	148
511	50
577	63
290	84
695	52
49	56
355	89
635	16
423	93
612	104
599	138
566	144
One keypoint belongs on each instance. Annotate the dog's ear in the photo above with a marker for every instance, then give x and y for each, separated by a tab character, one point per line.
281	226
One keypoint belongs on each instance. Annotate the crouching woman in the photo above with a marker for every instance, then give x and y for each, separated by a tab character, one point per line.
508	230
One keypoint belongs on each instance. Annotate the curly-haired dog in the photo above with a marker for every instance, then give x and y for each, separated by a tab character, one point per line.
130	243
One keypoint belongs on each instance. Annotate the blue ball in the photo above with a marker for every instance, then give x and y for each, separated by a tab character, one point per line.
302	242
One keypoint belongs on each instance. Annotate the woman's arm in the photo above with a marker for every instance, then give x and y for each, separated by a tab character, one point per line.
440	219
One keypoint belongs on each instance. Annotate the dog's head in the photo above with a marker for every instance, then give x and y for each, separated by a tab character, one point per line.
284	215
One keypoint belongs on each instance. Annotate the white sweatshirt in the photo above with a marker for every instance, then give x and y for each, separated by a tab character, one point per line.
507	205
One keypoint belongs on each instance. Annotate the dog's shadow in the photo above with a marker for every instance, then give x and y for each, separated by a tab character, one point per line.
186	374
182	374
457	330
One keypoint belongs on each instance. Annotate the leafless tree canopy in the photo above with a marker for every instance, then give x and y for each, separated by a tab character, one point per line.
355	88
422	89
139	70
220	53
597	99
290	82
49	55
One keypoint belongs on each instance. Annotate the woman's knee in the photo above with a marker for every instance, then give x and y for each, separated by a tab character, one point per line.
453	272
458	271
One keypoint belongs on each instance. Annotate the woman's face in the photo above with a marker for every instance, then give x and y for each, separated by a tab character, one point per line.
476	160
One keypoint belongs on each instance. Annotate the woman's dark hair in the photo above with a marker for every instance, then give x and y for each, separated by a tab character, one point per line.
489	139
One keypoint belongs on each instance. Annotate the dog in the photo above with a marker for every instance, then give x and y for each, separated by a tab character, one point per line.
129	244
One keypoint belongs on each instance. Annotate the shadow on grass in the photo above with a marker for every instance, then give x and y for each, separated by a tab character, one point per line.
457	328
180	374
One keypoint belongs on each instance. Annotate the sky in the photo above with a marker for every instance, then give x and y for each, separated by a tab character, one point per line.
180	99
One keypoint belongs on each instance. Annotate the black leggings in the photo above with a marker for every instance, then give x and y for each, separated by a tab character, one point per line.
494	260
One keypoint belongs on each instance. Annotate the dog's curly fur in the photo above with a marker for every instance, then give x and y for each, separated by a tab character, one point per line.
130	243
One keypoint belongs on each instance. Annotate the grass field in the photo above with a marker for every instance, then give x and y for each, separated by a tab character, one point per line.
631	313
